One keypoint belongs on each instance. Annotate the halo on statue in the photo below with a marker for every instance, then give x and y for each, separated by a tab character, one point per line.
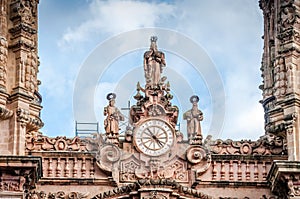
194	98
111	96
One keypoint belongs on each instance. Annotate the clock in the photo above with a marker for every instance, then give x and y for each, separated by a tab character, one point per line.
154	137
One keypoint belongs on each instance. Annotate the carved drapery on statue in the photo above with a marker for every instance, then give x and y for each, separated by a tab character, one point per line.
111	123
193	118
154	62
157	99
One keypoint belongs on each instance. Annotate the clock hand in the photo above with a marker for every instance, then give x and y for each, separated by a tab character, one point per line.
159	143
151	134
155	138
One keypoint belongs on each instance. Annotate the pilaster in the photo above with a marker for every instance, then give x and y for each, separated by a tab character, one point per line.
281	72
20	101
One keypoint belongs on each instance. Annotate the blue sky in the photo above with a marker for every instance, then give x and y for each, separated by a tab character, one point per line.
228	31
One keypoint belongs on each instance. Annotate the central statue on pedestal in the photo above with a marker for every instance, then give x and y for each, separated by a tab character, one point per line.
154	62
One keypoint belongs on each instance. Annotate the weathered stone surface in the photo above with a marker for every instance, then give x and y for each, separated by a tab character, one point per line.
153	160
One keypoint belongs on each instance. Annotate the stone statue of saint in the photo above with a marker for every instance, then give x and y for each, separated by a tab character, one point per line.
154	61
193	118
113	116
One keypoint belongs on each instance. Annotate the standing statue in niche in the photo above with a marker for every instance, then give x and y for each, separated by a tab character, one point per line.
193	118
154	61
111	123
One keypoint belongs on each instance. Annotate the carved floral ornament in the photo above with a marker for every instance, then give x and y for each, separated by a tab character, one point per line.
3	61
57	195
24	9
60	143
268	144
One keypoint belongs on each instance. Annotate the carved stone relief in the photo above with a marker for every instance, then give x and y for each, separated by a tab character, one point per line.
31	64
288	17
24	9
44	143
266	145
57	195
294	186
175	187
128	169
3	61
155	195
280	77
12	183
173	169
5	113
200	158
30	121
107	156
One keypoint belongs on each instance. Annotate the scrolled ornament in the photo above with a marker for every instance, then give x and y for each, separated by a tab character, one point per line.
195	154
199	158
107	155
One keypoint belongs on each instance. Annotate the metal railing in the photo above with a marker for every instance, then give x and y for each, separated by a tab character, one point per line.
86	129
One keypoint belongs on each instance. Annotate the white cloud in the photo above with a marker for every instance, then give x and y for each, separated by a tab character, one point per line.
113	17
229	30
54	82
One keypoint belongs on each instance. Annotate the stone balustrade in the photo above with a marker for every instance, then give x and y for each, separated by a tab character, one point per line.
68	167
231	168
249	171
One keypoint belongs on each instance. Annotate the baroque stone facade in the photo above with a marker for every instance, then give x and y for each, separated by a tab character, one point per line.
19	97
153	160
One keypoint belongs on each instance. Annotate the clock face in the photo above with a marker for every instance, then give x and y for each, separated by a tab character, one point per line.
154	137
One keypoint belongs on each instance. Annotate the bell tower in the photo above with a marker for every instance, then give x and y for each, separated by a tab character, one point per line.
20	101
281	71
